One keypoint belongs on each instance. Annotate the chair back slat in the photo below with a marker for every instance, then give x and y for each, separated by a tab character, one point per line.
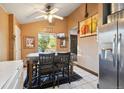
64	58
46	59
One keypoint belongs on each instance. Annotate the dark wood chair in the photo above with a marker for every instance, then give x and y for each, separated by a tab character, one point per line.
31	72
34	67
46	69
63	64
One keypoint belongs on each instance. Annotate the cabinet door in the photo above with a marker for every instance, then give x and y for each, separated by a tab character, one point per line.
12	81
21	81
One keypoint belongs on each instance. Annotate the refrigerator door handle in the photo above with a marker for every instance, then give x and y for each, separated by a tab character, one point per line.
113	51
119	50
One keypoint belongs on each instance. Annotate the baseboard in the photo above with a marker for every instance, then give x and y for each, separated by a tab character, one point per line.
88	70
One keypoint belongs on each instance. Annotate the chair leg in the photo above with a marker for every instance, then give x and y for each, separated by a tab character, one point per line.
39	80
58	80
53	79
37	75
63	72
68	76
49	76
36	71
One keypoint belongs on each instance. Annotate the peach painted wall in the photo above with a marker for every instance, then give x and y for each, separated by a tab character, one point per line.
32	29
78	14
4	35
17	23
87	47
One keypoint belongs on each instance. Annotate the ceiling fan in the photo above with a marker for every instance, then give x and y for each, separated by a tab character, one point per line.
49	13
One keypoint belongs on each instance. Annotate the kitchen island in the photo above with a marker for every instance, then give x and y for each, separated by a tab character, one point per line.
11	74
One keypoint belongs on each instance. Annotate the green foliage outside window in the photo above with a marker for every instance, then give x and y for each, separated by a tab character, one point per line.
46	42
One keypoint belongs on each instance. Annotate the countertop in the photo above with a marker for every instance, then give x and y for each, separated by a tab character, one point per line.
7	69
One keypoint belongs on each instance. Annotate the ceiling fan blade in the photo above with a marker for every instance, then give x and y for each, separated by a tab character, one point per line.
41	11
54	10
58	17
50	18
42	16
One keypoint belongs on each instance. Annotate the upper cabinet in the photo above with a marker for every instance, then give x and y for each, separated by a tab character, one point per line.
117	12
110	12
106	11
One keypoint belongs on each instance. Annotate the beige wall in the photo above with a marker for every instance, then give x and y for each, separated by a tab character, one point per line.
88	53
32	29
87	47
4	35
17	23
78	14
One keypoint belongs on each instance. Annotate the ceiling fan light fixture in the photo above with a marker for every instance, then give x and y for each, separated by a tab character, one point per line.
49	14
50	17
45	17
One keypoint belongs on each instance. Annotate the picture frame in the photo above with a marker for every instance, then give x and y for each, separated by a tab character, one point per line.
85	27
29	42
88	27
94	23
62	43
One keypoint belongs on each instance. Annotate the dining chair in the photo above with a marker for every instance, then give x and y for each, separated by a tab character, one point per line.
31	73
46	69
63	64
34	68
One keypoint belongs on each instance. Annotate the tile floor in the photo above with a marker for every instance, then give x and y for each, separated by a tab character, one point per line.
89	81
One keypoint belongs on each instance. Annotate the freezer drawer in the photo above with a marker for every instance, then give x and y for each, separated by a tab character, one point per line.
107	74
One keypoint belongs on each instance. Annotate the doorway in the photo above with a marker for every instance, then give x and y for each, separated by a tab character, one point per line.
74	42
17	44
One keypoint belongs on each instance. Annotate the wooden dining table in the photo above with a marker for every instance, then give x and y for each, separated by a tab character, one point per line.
34	57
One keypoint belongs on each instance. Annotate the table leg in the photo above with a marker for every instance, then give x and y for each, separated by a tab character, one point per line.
71	68
30	74
28	70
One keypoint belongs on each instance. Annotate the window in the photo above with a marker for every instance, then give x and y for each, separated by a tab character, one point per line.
47	42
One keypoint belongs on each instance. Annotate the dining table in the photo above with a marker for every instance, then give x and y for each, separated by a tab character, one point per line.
34	57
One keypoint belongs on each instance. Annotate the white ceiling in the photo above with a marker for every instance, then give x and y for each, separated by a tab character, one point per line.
23	12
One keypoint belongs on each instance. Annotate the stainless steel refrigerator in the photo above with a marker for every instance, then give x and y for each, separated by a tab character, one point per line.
111	55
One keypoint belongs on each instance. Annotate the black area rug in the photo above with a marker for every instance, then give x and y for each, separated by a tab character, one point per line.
63	80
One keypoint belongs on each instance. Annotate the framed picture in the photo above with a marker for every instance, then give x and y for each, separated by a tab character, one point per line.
29	42
94	23
62	43
85	27
88	26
